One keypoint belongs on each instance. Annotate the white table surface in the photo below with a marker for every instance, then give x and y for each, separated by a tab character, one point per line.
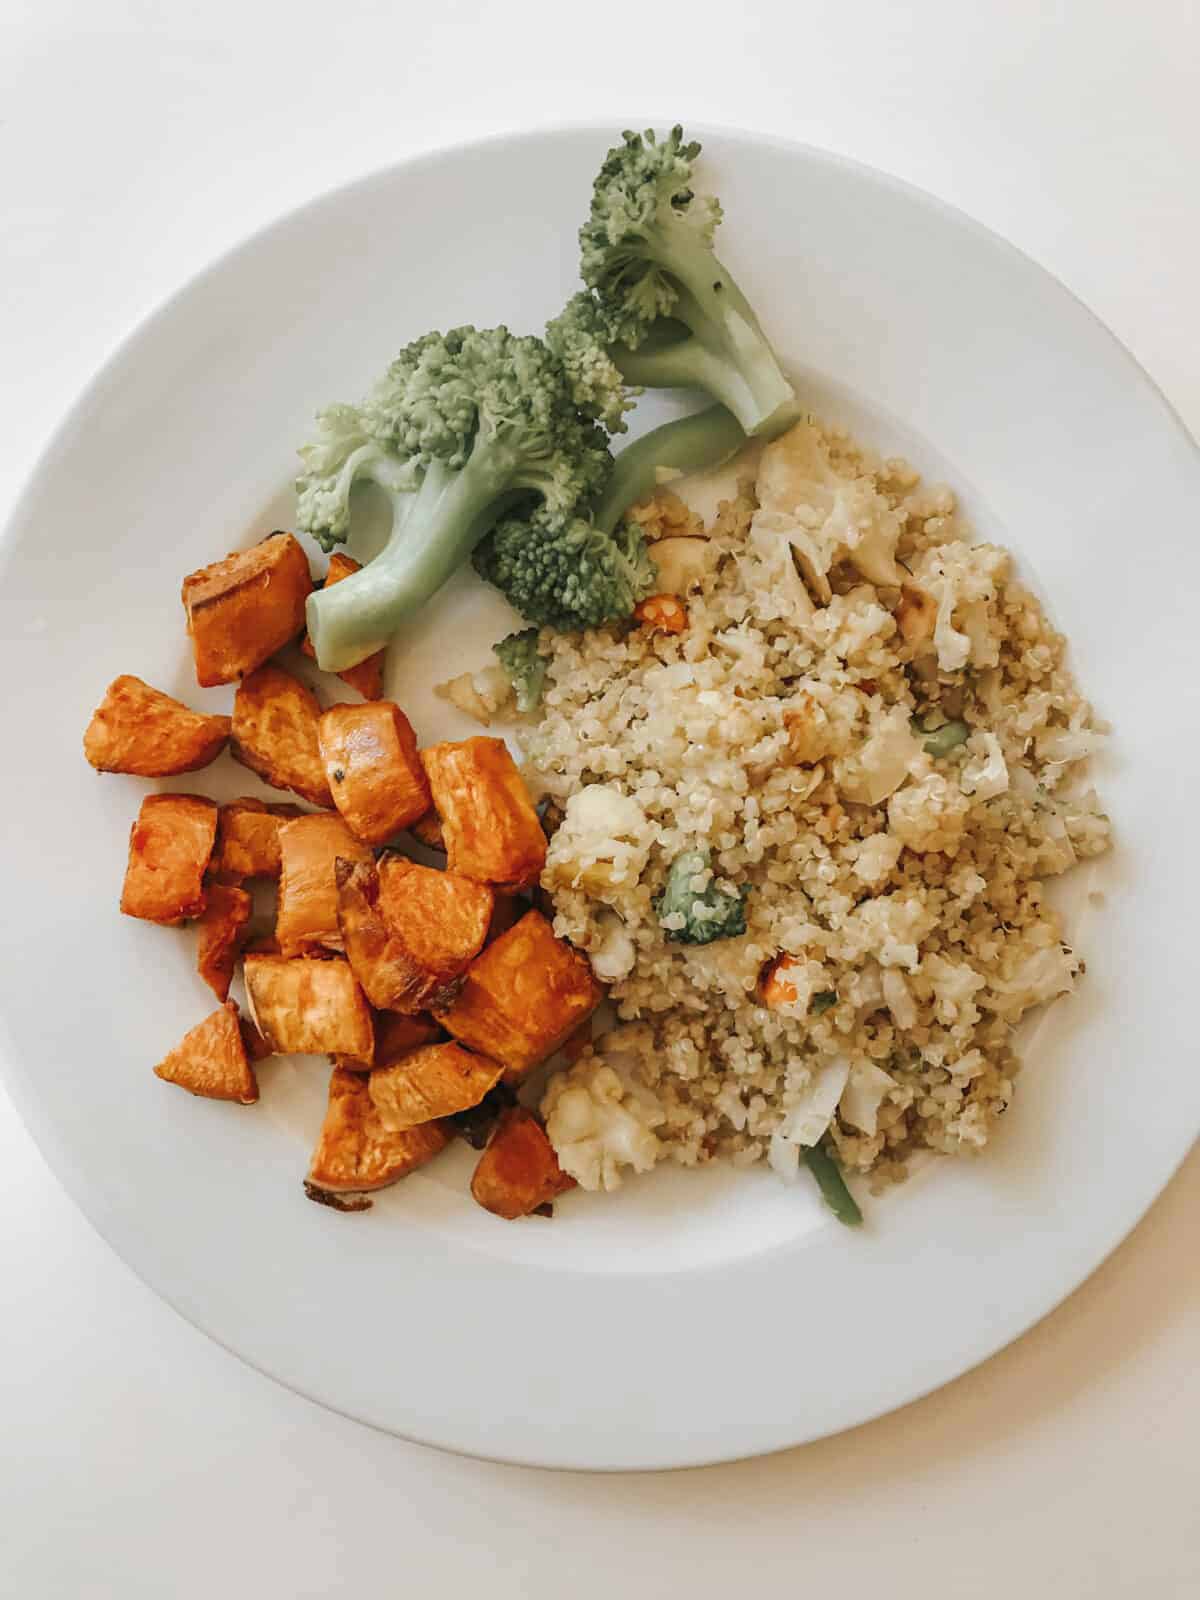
138	138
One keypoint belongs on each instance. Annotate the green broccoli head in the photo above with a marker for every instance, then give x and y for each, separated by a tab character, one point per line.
667	310
526	668
568	575
696	910
579	337
463	428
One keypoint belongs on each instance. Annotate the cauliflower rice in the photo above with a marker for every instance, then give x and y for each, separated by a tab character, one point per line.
838	618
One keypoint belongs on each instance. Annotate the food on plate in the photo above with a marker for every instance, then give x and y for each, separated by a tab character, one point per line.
367	676
410	932
373	769
657	300
241	610
308	1006
522	997
223	931
820	896
433	1081
306	913
211	1060
797	767
489	824
248	839
462	424
169	849
276	723
357	1151
140	730
518	1172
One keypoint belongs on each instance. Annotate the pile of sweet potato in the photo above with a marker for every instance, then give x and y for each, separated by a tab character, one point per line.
434	993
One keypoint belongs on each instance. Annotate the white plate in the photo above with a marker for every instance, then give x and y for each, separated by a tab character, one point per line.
694	1317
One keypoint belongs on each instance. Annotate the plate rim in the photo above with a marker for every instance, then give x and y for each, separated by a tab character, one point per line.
42	1128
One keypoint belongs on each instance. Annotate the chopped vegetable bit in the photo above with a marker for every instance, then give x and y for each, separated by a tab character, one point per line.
222	933
245	608
940	741
275	733
518	1173
692	909
434	1081
522	997
356	1151
375	774
140	730
491	829
210	1060
525	667
831	1184
823	1001
304	1007
169	849
309	849
662	611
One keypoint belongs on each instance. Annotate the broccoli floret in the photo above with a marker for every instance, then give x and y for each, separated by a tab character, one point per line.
708	912
463	428
578	338
660	303
525	667
567	576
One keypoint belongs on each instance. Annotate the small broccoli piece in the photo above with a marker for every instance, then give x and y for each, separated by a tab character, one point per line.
567	576
525	667
821	1163
708	913
578	338
659	301
463	428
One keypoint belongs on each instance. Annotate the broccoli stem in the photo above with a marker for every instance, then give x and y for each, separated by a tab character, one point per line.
434	530
726	351
705	439
832	1185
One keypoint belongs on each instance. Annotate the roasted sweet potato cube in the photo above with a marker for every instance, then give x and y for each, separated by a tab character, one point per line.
241	610
518	1172
169	849
248	839
275	722
522	997
222	933
211	1060
373	770
356	1152
429	1083
492	830
142	731
428	830
306	1007
397	1034
409	931
367	676
309	847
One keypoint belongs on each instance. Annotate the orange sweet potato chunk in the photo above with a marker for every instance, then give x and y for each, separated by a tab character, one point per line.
222	933
309	847
275	722
248	839
518	1172
211	1060
373	770
491	829
397	1034
523	997
241	610
429	1083
428	830
304	1007
169	849
356	1152
142	731
367	676
410	931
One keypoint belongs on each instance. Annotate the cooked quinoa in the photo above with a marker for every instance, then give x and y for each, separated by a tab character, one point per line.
839	619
